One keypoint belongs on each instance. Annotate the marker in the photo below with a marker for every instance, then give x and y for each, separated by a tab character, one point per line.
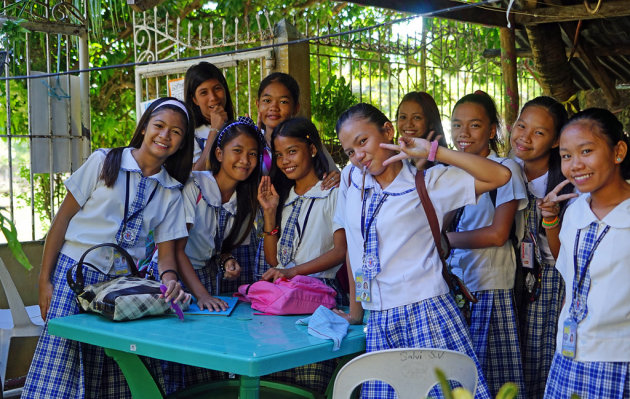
175	306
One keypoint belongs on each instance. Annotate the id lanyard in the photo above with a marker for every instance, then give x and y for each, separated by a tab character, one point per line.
127	217
300	231
580	276
366	224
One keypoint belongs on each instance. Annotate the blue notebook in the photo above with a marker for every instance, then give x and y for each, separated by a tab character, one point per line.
193	309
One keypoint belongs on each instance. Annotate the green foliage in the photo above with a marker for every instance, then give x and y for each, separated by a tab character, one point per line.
329	102
10	233
508	391
41	194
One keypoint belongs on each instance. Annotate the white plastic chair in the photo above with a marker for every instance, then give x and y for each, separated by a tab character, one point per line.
411	372
17	321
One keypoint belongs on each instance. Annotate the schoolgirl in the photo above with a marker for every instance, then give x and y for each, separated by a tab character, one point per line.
221	245
539	287
115	196
390	245
418	116
593	344
218	205
483	251
300	235
206	93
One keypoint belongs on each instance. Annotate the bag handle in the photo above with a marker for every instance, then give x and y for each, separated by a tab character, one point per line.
78	285
429	210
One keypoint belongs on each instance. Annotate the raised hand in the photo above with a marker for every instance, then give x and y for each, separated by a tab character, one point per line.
550	205
267	195
408	147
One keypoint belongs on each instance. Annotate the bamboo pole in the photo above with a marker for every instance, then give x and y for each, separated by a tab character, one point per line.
508	69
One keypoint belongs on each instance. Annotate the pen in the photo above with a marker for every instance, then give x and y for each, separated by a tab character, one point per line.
175	306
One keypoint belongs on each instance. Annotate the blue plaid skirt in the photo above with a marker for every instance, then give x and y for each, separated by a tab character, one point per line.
494	332
62	368
538	333
432	323
589	380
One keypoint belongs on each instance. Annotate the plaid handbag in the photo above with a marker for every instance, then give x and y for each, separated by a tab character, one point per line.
122	298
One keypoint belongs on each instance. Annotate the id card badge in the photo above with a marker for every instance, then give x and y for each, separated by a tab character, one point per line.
362	288
569	338
527	254
120	264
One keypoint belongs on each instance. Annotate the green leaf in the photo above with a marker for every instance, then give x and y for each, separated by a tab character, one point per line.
444	385
15	246
508	391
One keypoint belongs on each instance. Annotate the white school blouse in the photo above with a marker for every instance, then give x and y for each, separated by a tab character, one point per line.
604	335
202	214
200	133
320	227
102	209
411	270
491	268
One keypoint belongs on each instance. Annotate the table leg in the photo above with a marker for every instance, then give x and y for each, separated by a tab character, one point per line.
250	387
141	383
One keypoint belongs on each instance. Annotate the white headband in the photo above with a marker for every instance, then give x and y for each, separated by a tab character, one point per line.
176	103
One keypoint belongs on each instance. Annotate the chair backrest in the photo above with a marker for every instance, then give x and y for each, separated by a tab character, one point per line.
411	372
18	312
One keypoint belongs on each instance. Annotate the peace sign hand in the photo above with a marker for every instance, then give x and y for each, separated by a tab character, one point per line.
550	205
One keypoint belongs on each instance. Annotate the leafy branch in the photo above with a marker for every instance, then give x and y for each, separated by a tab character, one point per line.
10	233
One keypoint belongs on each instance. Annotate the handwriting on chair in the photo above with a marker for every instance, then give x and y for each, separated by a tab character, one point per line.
418	355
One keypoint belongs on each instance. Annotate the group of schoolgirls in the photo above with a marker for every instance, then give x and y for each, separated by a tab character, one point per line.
228	197
563	195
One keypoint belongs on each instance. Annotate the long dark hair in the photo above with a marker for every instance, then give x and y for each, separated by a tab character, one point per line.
305	131
609	127
196	75
177	165
482	98
247	190
560	117
287	81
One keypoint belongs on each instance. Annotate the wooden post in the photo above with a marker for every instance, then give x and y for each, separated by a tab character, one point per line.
294	59
508	69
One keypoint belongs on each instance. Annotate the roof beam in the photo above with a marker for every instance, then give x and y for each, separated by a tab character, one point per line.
609	9
464	12
603	51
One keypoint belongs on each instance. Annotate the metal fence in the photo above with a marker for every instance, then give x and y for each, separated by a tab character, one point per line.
378	65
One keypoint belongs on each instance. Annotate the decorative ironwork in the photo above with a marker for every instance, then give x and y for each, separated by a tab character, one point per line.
62	12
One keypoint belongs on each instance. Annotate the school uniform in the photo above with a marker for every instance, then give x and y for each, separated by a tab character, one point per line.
596	305
307	231
489	273
64	368
539	324
201	141
409	301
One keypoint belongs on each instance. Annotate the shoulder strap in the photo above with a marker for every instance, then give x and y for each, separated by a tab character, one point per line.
198	197
429	210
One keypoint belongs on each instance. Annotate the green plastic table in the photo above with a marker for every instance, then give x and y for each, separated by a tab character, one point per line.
243	343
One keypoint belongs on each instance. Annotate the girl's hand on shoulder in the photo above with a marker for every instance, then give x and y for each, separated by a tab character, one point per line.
348	317
409	147
211	303
267	195
331	179
232	269
45	297
550	205
275	273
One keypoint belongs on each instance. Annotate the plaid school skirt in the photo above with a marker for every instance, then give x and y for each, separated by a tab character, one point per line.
589	380
432	323
494	332
538	332
62	368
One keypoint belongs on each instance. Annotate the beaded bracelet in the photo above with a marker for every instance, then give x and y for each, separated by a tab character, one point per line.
273	231
550	224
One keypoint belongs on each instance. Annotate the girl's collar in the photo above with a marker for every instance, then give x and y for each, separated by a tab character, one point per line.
129	163
207	185
617	217
315	192
400	184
